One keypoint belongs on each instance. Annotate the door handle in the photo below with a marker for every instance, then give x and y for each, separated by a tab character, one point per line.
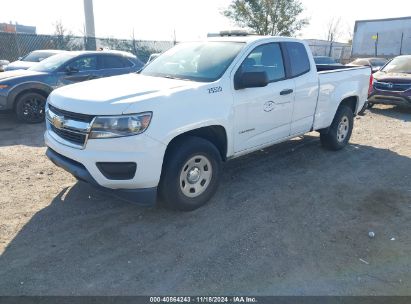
286	92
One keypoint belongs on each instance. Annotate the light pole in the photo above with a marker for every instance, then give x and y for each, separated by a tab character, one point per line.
90	31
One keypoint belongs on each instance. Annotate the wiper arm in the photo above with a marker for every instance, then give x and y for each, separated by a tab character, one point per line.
174	77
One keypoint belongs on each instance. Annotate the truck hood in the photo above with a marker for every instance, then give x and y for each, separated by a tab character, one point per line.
113	95
11	75
20	65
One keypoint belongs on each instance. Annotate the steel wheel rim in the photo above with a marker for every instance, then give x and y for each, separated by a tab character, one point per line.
195	176
33	108
343	129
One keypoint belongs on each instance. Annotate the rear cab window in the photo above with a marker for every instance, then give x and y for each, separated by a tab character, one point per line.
299	63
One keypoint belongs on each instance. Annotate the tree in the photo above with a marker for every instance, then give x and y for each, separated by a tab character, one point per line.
65	39
267	17
333	29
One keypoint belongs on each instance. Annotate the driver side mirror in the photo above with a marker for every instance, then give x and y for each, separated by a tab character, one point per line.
70	70
245	80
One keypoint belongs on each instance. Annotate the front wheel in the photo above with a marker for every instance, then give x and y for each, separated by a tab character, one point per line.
30	107
190	174
339	133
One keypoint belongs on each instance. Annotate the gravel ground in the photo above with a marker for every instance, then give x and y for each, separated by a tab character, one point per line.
290	220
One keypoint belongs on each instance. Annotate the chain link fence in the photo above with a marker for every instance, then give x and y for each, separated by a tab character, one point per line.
15	45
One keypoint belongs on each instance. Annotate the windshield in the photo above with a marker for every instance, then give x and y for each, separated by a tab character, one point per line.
37	56
198	61
399	65
52	63
378	62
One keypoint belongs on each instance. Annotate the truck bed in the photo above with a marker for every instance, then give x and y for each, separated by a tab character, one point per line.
337	83
321	68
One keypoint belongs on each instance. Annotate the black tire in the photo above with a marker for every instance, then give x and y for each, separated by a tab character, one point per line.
364	108
30	107
339	133
177	166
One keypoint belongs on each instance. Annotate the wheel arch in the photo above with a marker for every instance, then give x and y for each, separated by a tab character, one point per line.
216	134
351	102
23	88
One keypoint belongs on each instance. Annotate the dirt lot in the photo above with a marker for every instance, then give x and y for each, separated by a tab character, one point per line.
293	219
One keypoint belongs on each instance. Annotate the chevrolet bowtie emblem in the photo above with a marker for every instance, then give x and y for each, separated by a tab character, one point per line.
58	122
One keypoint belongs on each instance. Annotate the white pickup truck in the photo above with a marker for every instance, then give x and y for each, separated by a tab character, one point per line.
167	129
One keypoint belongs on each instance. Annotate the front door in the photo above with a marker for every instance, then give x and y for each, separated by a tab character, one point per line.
79	69
263	115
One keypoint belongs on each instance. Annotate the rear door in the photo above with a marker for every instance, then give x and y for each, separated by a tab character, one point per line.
263	115
305	77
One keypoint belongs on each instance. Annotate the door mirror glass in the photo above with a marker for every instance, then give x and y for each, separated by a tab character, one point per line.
70	70
257	79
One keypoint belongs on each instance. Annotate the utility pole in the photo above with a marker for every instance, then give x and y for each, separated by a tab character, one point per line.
376	45
90	31
402	39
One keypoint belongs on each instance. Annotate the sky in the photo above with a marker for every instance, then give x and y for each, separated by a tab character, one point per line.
190	19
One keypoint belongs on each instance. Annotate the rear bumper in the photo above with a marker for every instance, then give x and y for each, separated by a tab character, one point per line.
144	196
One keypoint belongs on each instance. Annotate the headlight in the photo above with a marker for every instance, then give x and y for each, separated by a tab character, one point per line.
119	126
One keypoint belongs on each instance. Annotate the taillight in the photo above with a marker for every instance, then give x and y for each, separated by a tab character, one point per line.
370	88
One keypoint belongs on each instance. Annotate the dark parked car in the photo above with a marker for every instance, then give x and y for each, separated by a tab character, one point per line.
31	59
392	84
375	63
325	60
25	91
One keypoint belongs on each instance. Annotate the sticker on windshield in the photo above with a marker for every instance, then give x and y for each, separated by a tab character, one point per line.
215	90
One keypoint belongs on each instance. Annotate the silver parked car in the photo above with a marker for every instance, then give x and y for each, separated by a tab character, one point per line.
31	59
3	64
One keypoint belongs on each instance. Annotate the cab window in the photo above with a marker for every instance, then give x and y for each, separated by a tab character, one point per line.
85	63
299	62
268	58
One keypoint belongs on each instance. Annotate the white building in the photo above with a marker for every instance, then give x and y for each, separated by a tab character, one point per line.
382	37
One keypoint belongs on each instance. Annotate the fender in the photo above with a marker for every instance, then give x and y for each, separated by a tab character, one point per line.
26	86
193	127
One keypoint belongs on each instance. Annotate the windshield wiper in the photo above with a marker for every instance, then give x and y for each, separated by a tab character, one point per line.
174	77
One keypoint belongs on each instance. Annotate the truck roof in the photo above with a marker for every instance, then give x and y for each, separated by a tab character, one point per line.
250	38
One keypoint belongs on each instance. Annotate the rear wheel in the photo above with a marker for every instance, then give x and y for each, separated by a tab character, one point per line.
30	107
190	174
339	132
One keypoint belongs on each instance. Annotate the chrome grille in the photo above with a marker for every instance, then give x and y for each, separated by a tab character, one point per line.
73	128
72	115
389	86
76	138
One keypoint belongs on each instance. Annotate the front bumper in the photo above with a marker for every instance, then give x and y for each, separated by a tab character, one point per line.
390	98
142	150
3	101
146	196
